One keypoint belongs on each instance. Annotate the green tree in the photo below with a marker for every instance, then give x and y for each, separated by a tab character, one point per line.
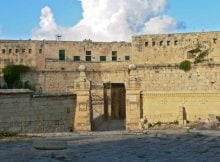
12	74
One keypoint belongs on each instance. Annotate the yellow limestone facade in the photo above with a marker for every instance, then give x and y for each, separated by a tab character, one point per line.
146	70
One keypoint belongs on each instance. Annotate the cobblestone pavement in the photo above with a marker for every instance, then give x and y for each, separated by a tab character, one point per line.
117	147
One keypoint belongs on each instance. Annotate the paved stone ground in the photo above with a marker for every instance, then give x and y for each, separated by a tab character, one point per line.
117	147
111	125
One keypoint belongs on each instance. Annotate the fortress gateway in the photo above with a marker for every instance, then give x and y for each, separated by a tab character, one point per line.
113	81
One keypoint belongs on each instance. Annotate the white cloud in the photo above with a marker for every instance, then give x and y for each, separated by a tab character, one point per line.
110	20
160	24
47	26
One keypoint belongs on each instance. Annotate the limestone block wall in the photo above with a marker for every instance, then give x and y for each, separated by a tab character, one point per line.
204	77
24	112
18	52
60	76
173	48
57	81
166	106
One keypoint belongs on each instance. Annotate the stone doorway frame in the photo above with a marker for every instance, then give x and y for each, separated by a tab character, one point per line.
84	115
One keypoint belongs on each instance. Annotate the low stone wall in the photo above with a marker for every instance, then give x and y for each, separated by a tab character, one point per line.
24	112
172	106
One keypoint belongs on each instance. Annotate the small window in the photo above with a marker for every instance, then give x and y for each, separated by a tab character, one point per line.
127	58
146	44
175	42
161	43
61	55
40	50
88	53
10	50
23	50
168	43
30	51
114	55
214	40
190	55
3	50
88	56
16	50
102	58
76	58
153	43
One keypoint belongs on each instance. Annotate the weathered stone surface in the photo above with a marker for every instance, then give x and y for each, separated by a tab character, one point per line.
50	145
117	146
23	112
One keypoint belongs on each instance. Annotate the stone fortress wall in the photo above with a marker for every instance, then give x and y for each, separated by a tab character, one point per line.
165	89
174	48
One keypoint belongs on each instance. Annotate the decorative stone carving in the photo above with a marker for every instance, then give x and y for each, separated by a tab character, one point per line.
82	107
132	67
82	68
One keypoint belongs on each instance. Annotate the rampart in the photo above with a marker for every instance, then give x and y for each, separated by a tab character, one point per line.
166	92
174	48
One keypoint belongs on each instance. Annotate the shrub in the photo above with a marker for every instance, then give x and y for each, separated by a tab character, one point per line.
196	50
12	74
159	123
185	65
201	57
150	125
6	134
176	122
108	85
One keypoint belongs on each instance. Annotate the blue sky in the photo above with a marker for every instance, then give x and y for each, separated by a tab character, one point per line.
197	14
18	18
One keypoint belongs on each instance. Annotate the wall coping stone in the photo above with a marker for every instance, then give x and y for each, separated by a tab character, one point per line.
179	93
15	91
37	95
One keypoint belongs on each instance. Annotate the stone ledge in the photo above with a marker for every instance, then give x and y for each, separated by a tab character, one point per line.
15	91
179	93
38	95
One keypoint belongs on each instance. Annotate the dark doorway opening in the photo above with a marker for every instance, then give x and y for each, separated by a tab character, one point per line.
117	101
114	107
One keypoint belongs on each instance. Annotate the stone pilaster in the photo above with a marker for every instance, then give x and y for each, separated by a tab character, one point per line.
82	117
133	101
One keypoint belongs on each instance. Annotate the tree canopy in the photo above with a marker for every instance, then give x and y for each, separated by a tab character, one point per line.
12	74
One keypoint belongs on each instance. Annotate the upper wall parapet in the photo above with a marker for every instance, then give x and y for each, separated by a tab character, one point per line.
152	40
144	49
174	48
